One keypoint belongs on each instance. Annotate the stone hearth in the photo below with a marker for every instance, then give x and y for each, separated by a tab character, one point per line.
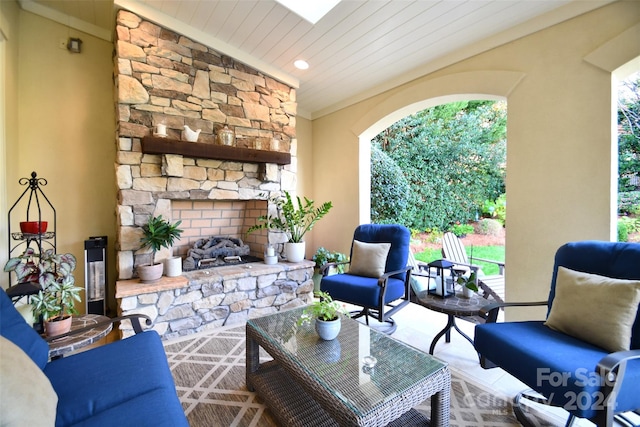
211	298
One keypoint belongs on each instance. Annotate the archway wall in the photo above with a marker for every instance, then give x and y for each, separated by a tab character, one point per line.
561	165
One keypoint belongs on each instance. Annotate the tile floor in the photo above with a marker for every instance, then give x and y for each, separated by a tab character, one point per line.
418	326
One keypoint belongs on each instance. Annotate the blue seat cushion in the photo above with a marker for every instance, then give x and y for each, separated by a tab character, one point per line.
359	290
553	364
14	328
127	382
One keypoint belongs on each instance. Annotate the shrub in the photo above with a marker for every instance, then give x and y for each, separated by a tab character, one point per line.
629	203
488	227
389	195
461	230
623	232
496	209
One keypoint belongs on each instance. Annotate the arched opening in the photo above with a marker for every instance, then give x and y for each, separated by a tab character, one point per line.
628	144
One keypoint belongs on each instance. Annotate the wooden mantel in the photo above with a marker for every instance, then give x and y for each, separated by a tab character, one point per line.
155	145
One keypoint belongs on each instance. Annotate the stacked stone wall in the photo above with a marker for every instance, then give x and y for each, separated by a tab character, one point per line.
165	78
218	297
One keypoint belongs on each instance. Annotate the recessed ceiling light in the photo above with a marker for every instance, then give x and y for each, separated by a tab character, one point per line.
301	64
310	10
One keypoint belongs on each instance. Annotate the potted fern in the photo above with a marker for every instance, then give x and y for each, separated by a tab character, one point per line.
294	219
54	303
158	233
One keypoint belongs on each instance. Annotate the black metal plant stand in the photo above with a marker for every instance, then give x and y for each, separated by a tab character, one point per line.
19	242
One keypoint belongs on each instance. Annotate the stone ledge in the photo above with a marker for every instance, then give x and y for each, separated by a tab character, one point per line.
134	287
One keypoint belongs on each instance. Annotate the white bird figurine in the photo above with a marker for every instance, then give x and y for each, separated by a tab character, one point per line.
190	135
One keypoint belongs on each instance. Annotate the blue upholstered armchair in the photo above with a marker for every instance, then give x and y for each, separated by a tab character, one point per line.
378	276
585	356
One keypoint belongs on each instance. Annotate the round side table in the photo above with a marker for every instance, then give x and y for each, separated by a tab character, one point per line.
453	306
61	346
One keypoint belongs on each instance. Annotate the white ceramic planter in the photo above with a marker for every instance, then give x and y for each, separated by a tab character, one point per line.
466	292
294	251
173	266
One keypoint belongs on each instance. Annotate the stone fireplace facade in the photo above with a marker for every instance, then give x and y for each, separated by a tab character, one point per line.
165	78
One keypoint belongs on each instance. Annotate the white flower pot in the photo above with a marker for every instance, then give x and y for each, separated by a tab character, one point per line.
466	292
294	251
173	266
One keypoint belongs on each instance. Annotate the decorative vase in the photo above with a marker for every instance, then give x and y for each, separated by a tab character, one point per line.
328	329
173	266
317	278
294	251
150	273
226	136
57	326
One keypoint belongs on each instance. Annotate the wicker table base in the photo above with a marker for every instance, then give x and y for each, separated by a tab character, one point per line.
311	382
293	407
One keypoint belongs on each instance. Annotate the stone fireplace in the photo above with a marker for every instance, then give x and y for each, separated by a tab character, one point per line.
165	78
162	77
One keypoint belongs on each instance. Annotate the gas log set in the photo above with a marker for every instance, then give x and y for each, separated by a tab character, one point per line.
217	251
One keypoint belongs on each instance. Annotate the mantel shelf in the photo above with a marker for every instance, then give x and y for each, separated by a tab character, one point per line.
155	145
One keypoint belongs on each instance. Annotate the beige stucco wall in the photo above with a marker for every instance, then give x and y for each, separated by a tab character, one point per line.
66	128
560	161
9	26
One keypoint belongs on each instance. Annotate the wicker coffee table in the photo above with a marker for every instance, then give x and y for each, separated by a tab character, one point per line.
310	382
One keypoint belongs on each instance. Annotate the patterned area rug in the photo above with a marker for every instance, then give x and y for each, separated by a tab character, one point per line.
209	372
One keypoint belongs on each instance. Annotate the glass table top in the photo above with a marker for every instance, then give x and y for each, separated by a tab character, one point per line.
339	365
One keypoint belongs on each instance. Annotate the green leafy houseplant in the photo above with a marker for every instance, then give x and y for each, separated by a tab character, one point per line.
324	256
159	233
293	218
54	273
468	282
324	309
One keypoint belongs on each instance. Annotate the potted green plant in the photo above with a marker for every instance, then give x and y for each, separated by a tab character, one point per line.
158	233
326	313
293	219
468	284
323	257
54	303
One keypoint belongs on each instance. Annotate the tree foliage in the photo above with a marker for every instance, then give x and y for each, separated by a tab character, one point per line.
629	134
389	188
453	157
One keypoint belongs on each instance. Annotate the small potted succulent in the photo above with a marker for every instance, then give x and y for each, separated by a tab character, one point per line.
326	313
54	303
323	257
158	233
293	219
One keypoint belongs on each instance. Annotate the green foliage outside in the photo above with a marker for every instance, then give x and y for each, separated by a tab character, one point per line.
495	253
389	189
453	158
461	230
496	209
629	133
629	203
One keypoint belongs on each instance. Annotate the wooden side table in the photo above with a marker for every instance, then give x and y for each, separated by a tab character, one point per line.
61	346
453	306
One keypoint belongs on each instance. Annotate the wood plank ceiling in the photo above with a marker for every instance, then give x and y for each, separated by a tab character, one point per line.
360	48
